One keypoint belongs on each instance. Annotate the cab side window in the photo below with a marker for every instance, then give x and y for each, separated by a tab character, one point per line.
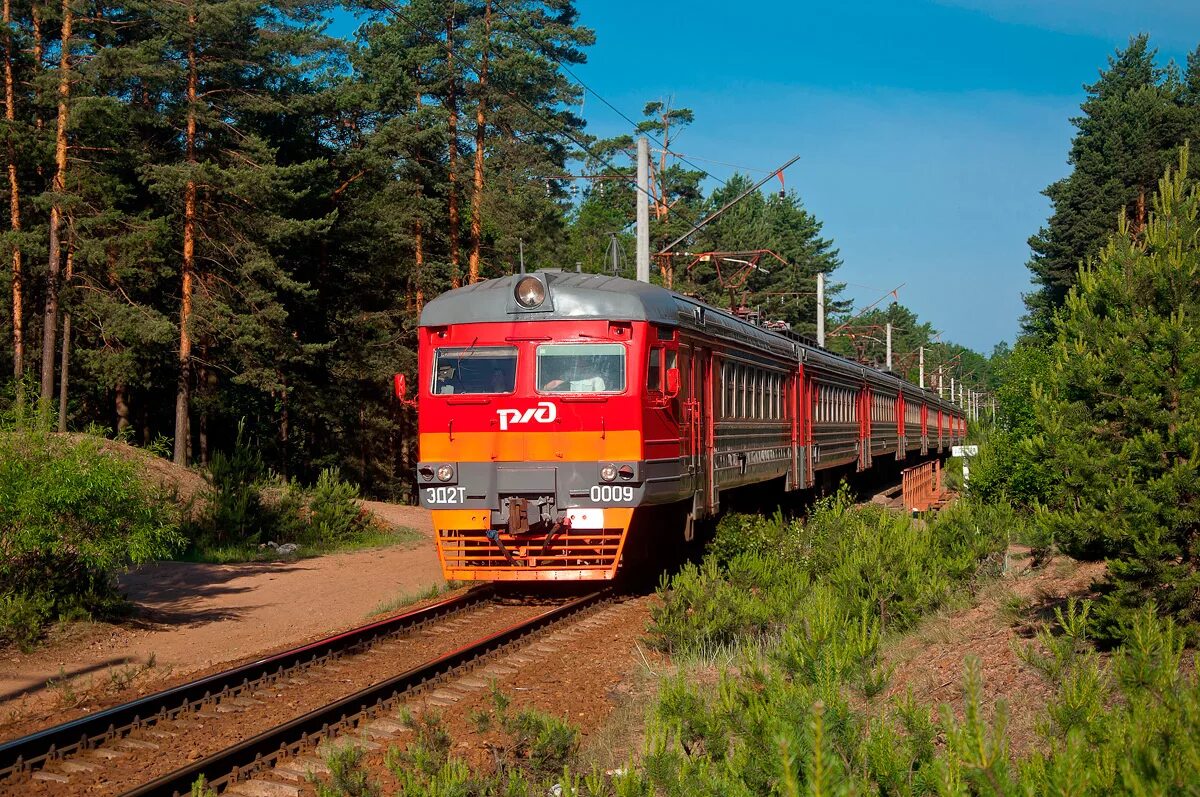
654	370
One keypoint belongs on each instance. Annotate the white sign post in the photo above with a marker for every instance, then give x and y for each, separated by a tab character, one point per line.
966	452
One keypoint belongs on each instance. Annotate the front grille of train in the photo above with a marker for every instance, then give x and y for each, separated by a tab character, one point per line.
578	550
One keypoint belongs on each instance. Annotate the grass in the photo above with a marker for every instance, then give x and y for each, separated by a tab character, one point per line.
238	552
72	692
406	599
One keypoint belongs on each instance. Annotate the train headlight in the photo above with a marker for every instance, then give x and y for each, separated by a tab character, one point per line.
445	473
530	292
608	473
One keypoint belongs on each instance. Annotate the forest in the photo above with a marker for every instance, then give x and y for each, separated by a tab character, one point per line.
220	213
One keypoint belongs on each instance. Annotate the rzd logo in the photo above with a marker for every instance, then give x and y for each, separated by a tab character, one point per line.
544	412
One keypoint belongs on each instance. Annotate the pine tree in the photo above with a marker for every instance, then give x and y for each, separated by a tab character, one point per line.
1119	417
532	129
57	190
1133	120
234	70
14	192
784	288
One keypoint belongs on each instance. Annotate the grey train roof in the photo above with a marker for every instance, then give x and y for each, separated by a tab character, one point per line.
575	296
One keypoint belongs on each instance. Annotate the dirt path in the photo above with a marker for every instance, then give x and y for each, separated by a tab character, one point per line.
1005	616
192	617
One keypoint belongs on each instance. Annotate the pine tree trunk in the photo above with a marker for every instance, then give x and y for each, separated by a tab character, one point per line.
35	11
452	163
419	265
418	229
58	187
121	405
14	204
182	433
203	393
64	367
39	124
480	132
1140	224
284	428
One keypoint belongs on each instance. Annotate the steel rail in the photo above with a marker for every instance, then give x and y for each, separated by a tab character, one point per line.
238	762
36	749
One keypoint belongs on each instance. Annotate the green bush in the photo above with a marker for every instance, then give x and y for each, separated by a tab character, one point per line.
71	516
249	509
795	717
334	515
1007	468
530	755
760	572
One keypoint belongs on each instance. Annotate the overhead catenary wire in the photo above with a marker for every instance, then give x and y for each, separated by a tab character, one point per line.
707	219
719	163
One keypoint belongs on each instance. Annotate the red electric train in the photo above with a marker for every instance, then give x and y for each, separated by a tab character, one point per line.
553	407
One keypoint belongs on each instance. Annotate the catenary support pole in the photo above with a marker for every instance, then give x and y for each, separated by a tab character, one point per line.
921	366
643	209
888	327
821	309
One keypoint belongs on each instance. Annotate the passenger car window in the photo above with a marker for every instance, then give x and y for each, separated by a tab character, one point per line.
580	368
474	369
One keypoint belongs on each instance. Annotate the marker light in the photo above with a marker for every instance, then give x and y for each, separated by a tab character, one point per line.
445	473
608	473
626	472
426	473
530	292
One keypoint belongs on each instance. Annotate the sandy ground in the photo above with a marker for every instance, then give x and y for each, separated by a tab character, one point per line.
1006	615
193	616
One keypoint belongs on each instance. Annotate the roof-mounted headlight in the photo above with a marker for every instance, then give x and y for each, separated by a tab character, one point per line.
530	292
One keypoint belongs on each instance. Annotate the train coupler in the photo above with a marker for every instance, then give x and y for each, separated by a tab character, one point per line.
494	536
563	524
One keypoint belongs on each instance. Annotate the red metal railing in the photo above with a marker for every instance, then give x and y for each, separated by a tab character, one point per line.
922	486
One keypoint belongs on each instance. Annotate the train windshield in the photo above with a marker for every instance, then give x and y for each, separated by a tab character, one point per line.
581	368
474	369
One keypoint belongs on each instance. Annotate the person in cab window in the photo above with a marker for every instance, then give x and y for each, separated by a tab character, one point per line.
584	379
496	382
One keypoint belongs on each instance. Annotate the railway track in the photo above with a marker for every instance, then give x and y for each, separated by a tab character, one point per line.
149	746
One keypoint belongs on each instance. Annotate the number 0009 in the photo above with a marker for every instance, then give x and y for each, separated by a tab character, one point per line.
605	493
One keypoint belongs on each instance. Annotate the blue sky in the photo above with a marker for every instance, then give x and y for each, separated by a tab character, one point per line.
926	130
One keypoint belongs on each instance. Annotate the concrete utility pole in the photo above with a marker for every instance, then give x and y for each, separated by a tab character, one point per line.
888	327
921	366
643	209
941	386
821	309
952	393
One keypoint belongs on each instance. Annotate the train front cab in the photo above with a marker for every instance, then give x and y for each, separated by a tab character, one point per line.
543	465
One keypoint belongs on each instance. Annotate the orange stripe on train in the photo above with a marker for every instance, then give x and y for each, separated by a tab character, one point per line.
530	446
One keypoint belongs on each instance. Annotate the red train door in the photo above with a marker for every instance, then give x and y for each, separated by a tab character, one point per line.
700	431
691	426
